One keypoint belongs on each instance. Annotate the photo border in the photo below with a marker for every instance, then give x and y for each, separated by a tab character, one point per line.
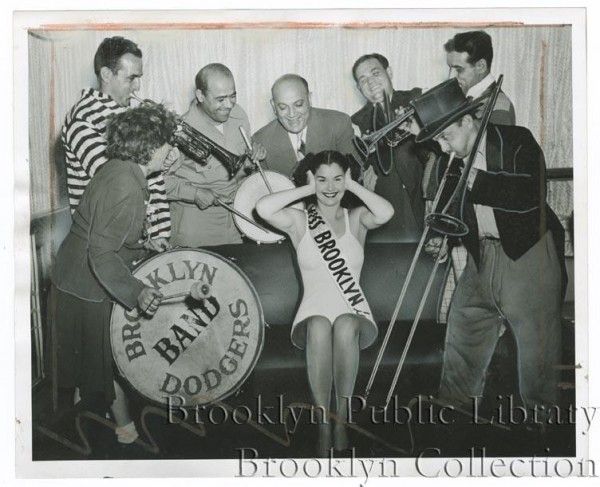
25	20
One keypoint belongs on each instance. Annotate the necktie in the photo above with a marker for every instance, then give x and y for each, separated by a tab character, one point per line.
381	114
301	149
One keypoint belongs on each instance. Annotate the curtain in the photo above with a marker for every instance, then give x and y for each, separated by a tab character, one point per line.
535	61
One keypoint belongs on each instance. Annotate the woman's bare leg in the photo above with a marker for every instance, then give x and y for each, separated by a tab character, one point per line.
320	374
120	406
346	352
126	430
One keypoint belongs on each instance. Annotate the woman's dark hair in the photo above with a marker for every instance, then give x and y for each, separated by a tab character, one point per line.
312	162
135	133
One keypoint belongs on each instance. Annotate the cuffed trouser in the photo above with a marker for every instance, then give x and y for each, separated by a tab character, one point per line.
526	295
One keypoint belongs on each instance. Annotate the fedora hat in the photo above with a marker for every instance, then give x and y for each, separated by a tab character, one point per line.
440	107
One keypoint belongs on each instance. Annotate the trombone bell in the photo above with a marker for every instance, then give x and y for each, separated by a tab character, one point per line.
446	224
368	143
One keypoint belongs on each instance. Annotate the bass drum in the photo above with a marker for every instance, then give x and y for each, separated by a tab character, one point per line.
201	350
250	191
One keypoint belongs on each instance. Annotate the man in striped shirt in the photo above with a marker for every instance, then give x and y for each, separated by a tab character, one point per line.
118	67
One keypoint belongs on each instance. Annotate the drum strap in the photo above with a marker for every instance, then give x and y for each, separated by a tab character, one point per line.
336	263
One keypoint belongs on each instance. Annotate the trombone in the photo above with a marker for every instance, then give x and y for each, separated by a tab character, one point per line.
368	142
448	222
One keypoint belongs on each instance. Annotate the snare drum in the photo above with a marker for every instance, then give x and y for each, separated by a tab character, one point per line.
200	350
250	191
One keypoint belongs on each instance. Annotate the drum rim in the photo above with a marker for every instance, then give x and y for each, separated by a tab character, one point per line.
260	341
236	218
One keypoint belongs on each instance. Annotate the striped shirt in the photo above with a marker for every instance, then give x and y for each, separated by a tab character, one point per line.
83	138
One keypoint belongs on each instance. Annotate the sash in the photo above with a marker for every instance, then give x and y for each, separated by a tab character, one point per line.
334	261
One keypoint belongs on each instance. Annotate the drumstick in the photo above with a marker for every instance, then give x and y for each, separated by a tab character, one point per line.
149	304
175	297
197	291
241	215
260	169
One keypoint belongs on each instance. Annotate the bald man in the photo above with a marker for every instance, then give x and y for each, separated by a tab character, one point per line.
300	128
193	188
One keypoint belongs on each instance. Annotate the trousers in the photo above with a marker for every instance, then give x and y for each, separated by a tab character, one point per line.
525	294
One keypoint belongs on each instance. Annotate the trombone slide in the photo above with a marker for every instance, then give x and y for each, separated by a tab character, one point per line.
407	280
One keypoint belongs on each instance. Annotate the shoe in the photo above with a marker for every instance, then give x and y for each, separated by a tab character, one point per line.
132	451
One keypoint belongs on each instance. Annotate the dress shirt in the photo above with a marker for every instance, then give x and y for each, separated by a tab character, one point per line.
477	90
485	214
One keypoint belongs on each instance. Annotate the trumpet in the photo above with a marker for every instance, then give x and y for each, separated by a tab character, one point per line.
368	142
393	136
199	147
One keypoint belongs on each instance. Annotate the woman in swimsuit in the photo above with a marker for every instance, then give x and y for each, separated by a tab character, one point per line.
327	324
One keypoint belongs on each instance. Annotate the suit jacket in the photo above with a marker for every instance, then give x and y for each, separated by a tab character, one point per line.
326	130
402	186
502	114
514	185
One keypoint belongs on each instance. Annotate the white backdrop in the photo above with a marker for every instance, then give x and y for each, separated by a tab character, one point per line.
535	61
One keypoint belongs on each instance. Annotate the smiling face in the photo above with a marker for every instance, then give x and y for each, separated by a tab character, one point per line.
122	84
330	184
373	80
291	104
220	97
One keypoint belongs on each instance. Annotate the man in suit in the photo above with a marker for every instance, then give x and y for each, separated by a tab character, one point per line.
192	187
398	170
301	128
515	247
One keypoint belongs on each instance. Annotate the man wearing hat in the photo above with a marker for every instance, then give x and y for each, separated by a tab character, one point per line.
469	57
515	247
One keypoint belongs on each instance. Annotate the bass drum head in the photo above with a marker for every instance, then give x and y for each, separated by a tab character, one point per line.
198	350
250	191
